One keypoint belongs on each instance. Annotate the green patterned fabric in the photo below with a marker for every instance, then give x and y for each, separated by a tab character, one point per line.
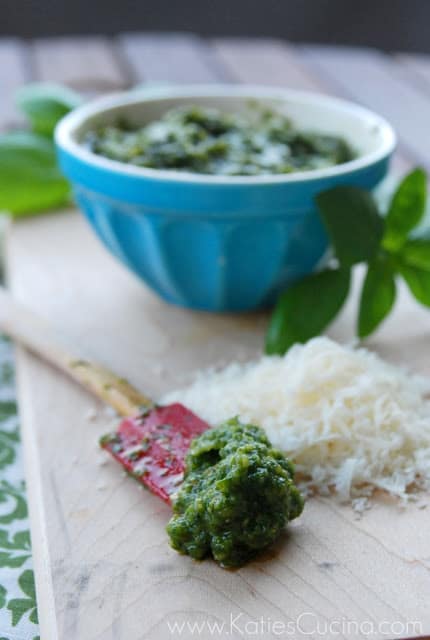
18	610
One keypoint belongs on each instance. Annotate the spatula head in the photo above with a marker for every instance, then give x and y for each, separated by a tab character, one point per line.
152	446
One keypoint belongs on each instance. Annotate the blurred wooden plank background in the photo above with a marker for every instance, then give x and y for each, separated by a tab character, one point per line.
397	85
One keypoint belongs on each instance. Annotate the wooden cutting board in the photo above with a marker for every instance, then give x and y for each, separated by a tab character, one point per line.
103	566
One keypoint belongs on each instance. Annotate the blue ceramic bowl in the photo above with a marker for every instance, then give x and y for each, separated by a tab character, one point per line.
210	242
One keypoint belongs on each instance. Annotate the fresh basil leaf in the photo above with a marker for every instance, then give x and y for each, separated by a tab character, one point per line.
416	253
406	209
30	180
377	296
45	104
353	223
418	281
306	309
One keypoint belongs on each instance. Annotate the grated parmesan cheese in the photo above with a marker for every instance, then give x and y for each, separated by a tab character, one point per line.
350	421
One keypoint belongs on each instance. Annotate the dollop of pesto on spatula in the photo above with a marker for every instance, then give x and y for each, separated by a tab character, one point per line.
254	141
237	496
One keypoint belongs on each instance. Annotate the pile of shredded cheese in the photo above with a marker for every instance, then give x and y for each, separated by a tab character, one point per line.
351	422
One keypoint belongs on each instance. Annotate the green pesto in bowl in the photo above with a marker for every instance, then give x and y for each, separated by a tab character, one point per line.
237	496
256	141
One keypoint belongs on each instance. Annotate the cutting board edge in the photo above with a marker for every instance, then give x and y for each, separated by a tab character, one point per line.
39	539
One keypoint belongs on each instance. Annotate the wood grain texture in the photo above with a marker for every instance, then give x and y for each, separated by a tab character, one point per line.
101	553
375	80
267	62
177	58
30	331
418	69
85	64
273	62
103	542
104	570
13	74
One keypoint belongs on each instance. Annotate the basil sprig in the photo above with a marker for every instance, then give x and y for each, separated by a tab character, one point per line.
359	233
30	180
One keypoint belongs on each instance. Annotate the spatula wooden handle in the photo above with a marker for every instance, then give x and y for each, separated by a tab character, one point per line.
26	328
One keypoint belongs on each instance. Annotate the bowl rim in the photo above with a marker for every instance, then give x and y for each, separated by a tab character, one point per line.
66	128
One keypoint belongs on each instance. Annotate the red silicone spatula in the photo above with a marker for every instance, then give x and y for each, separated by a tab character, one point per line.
152	446
152	441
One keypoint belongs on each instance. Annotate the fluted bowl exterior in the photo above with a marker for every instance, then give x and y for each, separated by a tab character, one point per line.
228	244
